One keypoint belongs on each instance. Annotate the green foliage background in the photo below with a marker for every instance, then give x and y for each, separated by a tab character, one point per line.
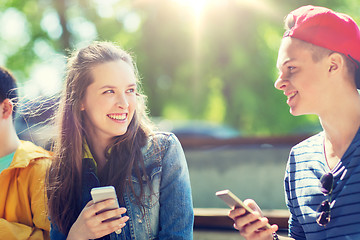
219	66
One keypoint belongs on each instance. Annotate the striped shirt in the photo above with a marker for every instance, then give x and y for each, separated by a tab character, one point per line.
305	167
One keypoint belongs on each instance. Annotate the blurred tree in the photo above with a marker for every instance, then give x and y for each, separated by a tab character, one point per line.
217	63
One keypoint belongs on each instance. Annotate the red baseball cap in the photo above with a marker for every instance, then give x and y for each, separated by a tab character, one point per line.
328	29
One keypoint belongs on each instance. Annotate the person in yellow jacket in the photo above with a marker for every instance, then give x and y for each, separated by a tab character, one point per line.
23	166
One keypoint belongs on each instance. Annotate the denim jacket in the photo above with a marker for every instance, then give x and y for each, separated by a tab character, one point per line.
168	211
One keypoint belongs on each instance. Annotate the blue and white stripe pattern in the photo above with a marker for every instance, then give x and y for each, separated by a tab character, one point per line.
305	167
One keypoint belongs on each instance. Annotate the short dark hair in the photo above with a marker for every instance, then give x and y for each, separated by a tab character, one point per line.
8	87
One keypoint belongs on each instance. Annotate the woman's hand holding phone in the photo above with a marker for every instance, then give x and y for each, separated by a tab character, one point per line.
97	220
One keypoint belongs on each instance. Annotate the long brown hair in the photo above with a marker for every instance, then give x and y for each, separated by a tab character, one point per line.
64	176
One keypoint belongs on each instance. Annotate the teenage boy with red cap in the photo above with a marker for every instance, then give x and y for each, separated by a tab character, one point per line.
318	63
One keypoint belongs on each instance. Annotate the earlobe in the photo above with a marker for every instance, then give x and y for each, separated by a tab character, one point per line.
336	62
7	108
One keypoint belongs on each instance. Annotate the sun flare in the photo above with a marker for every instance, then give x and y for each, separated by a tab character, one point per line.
197	6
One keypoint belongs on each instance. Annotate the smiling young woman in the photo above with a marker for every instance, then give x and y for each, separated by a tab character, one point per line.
106	139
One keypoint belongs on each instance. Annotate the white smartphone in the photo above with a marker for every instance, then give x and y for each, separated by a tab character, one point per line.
100	194
233	201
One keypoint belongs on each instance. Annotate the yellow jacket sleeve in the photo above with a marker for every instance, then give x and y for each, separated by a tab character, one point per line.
24	205
17	231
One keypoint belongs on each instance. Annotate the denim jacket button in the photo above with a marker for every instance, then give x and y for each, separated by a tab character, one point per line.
139	219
